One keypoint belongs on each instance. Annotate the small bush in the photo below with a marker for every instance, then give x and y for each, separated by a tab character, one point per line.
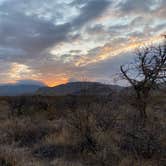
141	143
25	132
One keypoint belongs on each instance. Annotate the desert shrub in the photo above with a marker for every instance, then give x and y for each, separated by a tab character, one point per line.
91	129
106	153
3	162
105	116
14	156
81	126
56	151
27	105
143	142
102	157
25	132
62	162
6	160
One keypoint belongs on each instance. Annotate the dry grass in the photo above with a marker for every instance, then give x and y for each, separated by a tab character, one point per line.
14	156
84	135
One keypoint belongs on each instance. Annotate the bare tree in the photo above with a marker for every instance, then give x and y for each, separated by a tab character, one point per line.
147	72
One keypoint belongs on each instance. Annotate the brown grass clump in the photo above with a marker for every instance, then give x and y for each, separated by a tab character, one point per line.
13	156
23	131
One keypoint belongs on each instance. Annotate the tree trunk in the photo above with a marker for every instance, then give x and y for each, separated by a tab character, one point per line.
141	106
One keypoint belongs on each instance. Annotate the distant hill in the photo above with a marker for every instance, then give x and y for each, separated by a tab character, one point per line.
78	88
18	89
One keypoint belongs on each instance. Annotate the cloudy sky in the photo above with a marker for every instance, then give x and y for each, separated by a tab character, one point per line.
56	41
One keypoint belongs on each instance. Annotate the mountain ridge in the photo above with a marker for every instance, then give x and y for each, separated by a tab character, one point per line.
78	88
18	89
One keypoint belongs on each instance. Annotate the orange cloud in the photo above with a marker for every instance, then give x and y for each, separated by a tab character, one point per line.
109	51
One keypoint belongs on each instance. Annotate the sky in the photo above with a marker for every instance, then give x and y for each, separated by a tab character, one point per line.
59	41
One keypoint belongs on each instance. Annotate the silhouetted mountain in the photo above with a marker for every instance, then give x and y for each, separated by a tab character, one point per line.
18	89
78	88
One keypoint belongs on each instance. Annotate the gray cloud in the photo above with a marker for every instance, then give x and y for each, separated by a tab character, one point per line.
107	70
96	29
28	29
31	35
160	10
90	11
136	6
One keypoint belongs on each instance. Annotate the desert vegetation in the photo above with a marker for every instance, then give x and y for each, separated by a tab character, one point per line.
84	130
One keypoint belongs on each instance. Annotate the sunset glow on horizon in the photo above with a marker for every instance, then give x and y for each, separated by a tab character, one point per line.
60	41
52	83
